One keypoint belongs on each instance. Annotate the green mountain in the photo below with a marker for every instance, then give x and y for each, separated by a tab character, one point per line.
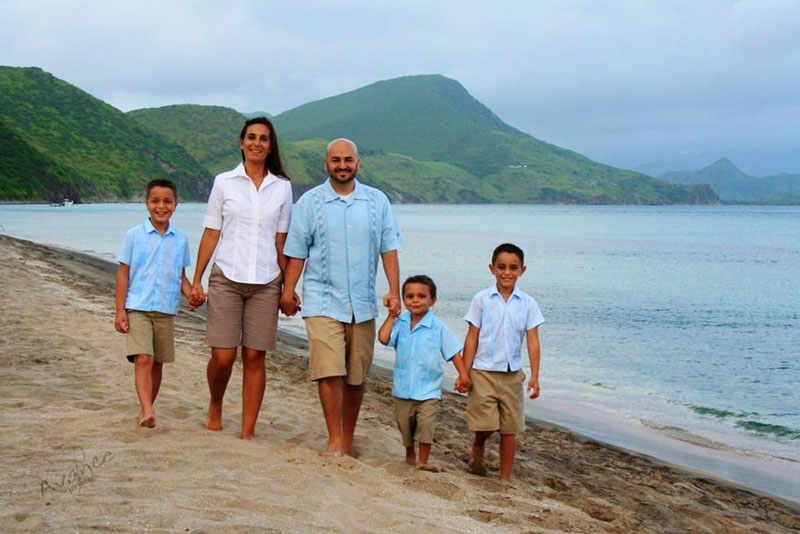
733	185
434	120
59	141
208	133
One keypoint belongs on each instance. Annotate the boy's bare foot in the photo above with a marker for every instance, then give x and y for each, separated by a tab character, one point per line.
353	452
431	468
476	465
214	419
147	421
248	437
411	457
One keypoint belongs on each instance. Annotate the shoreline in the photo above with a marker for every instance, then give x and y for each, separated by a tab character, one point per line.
66	393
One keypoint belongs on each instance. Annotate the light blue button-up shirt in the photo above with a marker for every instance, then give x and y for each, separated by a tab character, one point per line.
341	241
418	372
156	266
502	327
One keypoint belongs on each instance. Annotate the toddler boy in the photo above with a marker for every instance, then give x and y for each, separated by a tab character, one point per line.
420	339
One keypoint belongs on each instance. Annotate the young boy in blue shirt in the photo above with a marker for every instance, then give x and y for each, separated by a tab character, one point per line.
150	279
498	318
420	339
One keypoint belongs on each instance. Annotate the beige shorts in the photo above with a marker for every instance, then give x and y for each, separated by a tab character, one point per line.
495	402
416	419
150	333
340	349
242	314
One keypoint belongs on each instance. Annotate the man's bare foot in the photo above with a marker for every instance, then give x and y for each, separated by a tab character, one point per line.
147	421
214	419
431	468
411	457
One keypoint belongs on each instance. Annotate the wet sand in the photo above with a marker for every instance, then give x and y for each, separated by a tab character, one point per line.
74	460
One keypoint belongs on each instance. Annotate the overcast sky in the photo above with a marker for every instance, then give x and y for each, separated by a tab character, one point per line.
623	82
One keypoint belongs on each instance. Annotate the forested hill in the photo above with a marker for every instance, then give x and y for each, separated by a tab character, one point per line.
58	141
421	138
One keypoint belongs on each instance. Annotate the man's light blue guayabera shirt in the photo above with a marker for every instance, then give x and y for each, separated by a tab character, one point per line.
341	241
503	326
418	372
156	265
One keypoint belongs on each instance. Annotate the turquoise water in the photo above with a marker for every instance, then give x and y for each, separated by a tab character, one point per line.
664	324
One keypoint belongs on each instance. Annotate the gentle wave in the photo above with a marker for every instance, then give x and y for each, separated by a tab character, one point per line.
769	430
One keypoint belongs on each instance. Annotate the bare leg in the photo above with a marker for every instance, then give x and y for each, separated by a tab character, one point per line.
476	465
144	389
508	446
330	395
424	453
253	382
411	456
351	404
218	373
156	376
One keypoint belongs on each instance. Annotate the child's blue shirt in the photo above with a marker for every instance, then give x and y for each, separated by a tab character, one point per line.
156	265
502	327
418	372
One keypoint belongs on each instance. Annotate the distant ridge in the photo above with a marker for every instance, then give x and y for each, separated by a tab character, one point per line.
82	148
733	185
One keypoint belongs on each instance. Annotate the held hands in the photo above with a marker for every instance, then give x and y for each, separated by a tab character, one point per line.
533	388
290	304
197	296
463	383
121	322
392	302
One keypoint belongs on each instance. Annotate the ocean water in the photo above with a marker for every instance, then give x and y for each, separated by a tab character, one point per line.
673	331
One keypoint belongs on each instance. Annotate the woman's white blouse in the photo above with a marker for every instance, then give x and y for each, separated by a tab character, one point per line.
249	218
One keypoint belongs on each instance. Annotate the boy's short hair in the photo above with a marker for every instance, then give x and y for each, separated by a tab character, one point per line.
420	279
510	248
161	182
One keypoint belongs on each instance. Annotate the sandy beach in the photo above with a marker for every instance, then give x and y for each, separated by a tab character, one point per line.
73	459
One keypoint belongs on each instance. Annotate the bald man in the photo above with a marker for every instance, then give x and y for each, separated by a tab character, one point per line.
339	229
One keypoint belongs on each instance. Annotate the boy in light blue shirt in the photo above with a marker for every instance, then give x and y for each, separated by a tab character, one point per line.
499	317
150	279
421	341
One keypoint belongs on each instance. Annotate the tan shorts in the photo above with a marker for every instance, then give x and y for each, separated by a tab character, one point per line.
242	314
150	333
340	349
416	419
495	402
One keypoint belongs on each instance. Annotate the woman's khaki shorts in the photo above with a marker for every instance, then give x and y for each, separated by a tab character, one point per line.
150	333
340	349
242	314
495	402
416	419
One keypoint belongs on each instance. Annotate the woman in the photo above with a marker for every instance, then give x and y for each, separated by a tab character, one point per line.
248	216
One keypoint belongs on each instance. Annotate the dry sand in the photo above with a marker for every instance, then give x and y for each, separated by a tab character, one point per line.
74	461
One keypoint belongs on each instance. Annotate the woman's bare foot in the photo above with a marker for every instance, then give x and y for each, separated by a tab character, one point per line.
333	451
147	420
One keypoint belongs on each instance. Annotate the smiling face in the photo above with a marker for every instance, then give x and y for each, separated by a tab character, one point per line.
507	268
255	144
341	162
161	204
417	298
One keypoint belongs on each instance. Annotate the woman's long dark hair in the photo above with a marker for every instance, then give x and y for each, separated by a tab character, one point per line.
273	162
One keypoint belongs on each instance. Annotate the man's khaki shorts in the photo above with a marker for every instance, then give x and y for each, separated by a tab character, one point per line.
242	314
340	349
150	333
495	402
416	419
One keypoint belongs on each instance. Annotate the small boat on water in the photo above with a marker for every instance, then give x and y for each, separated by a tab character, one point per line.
65	202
